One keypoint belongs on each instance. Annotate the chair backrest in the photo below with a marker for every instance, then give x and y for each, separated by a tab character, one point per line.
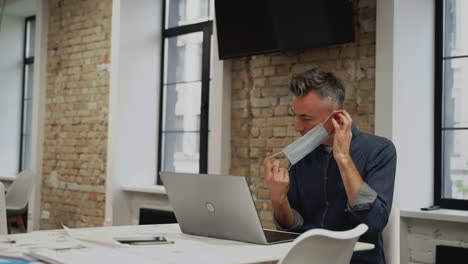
324	246
18	194
3	219
391	237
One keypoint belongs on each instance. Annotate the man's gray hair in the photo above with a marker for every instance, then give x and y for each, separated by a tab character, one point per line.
325	84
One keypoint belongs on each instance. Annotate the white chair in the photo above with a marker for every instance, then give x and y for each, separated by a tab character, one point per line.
391	237
324	246
3	219
17	199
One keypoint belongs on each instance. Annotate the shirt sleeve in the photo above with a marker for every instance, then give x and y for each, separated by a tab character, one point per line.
366	195
374	200
298	222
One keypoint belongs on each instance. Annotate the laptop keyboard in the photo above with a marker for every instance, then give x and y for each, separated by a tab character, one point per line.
276	236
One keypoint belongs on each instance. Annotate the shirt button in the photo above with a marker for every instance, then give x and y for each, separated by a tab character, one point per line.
327	204
323	225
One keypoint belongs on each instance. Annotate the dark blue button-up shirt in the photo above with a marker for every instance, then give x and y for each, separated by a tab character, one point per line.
318	197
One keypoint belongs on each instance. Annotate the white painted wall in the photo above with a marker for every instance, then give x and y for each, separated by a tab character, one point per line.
384	69
404	98
38	113
405	94
133	104
11	78
414	101
219	143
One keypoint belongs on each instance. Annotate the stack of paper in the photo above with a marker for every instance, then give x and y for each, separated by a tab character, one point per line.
89	256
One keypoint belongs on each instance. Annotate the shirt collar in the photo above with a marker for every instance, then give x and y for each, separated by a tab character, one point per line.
355	130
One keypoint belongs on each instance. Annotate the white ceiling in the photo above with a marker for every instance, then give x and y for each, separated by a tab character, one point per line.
22	8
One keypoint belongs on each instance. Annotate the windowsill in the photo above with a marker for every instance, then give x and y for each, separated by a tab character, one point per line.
158	189
7	178
448	215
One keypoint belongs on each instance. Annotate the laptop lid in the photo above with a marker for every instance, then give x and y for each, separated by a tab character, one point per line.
214	206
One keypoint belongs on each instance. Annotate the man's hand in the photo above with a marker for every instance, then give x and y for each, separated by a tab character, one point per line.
352	180
277	180
342	136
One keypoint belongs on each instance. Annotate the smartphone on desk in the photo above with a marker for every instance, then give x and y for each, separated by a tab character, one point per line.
146	240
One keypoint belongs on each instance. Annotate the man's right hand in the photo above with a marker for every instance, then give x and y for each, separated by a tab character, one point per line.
277	180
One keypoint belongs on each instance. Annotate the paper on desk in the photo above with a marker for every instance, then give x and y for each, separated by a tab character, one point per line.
93	239
38	239
90	256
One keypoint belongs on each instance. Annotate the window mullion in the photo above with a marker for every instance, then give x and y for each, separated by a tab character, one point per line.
438	93
204	118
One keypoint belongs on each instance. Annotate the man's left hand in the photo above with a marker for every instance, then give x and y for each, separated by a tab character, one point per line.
342	122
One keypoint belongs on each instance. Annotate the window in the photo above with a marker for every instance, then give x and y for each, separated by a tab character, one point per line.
451	104
28	73
183	133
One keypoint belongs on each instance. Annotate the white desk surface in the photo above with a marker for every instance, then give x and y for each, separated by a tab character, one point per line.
186	249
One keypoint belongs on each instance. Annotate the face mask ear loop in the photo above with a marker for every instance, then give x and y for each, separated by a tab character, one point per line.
328	118
273	155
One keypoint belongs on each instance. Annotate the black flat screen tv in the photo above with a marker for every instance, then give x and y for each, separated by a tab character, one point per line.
251	27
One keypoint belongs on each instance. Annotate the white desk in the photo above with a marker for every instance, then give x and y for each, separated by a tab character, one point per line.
186	249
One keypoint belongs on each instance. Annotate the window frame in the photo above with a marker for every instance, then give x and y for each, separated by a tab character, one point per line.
207	29
439	112
27	61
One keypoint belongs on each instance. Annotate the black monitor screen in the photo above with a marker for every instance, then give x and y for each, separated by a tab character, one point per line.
263	26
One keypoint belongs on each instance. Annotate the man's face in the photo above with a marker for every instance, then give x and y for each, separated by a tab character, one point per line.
310	111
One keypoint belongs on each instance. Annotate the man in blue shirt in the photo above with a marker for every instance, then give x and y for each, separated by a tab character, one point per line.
347	180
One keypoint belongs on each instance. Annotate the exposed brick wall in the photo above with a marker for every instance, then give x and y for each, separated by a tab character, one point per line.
260	97
425	235
75	136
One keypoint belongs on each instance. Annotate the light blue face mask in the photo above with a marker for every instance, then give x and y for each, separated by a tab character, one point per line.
302	146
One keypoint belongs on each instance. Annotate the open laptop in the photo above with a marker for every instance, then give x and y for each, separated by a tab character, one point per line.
218	206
